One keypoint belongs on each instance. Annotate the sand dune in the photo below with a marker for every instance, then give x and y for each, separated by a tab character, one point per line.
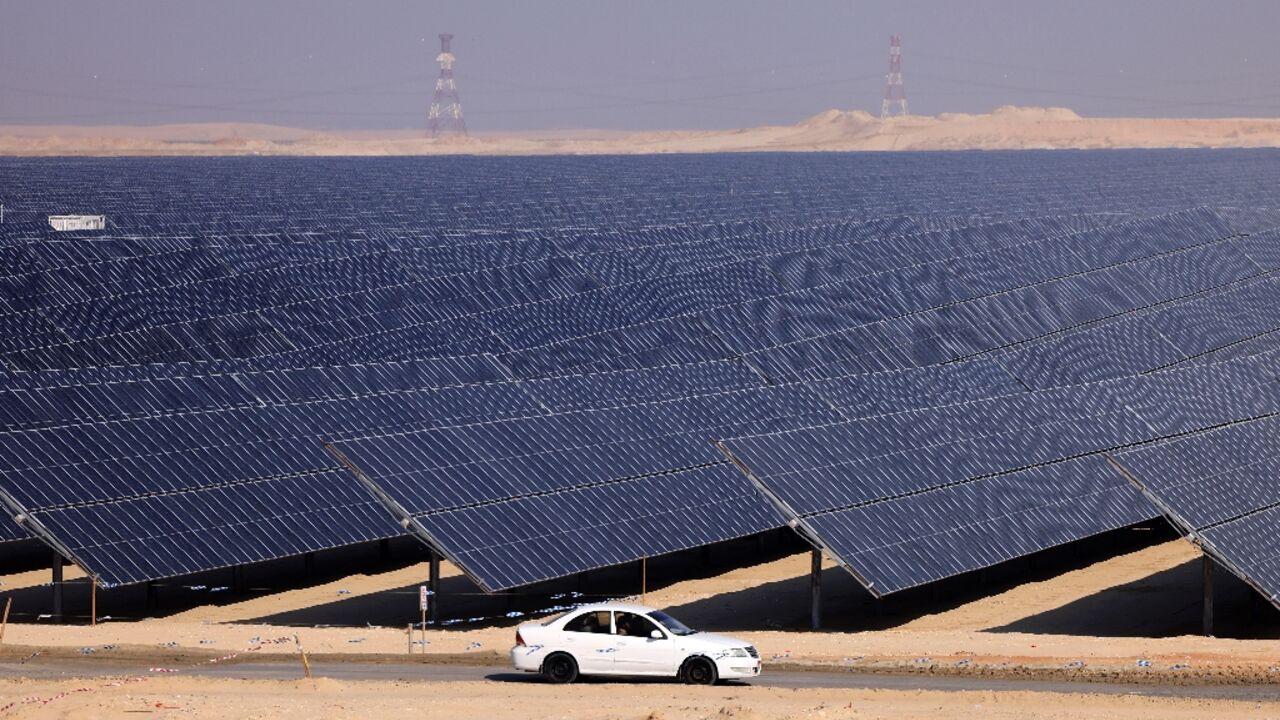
1005	128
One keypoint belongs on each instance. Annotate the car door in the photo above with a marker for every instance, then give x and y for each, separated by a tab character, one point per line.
638	652
589	638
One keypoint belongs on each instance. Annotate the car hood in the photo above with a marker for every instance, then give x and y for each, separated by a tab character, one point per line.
712	641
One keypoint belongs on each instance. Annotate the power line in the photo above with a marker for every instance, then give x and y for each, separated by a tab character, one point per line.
619	101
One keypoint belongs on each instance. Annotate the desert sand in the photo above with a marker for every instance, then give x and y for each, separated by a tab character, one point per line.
1120	615
1027	627
1005	128
325	698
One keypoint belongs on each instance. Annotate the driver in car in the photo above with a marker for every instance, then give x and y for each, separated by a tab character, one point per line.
623	621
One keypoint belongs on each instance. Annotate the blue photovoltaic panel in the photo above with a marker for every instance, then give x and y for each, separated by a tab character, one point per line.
888	333
285	309
1219	487
960	487
260	304
475	492
523	540
111	447
869	283
196	460
10	531
170	534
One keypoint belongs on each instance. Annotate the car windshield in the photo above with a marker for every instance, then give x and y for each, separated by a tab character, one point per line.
675	626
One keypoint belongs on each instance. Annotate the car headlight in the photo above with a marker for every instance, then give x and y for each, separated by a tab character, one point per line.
735	652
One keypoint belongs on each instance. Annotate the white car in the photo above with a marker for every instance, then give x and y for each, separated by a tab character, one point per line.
624	639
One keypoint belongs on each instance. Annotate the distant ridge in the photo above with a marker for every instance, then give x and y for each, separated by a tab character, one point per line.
1005	128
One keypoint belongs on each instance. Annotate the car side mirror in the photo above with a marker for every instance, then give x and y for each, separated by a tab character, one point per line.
656	635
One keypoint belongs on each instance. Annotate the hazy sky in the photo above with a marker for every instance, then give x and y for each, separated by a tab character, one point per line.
625	63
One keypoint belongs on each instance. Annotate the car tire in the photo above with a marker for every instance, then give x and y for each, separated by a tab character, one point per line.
560	668
699	670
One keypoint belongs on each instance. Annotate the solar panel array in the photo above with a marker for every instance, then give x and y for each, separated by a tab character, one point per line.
592	484
912	497
1218	486
533	378
141	536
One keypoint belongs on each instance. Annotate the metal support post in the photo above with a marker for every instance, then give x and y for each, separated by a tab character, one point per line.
1206	565
433	584
57	587
644	580
815	591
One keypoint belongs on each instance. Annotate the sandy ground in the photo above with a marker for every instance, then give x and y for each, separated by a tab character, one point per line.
1127	615
200	698
1111	614
1004	128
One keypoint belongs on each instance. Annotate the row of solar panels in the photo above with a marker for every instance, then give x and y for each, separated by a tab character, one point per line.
375	298
676	326
436	455
538	470
878	326
589	375
1218	486
461	196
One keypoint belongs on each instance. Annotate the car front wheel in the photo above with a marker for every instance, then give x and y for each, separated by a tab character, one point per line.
699	671
560	668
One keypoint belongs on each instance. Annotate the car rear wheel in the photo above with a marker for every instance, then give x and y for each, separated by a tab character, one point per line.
699	671
560	668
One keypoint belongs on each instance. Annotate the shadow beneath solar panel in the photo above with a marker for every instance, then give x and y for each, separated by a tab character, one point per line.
22	555
846	605
210	589
769	604
1166	603
465	605
1163	604
462	603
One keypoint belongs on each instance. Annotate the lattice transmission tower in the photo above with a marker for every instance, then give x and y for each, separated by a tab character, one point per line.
445	116
893	81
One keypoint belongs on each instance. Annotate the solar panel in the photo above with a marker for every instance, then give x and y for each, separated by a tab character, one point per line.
898	330
321	303
1218	487
191	459
169	534
11	531
434	477
113	446
297	468
597	526
929	484
796	294
938	533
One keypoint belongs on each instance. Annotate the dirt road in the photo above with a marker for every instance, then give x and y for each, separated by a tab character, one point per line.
786	679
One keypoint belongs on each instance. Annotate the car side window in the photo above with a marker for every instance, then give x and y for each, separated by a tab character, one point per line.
590	622
633	625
